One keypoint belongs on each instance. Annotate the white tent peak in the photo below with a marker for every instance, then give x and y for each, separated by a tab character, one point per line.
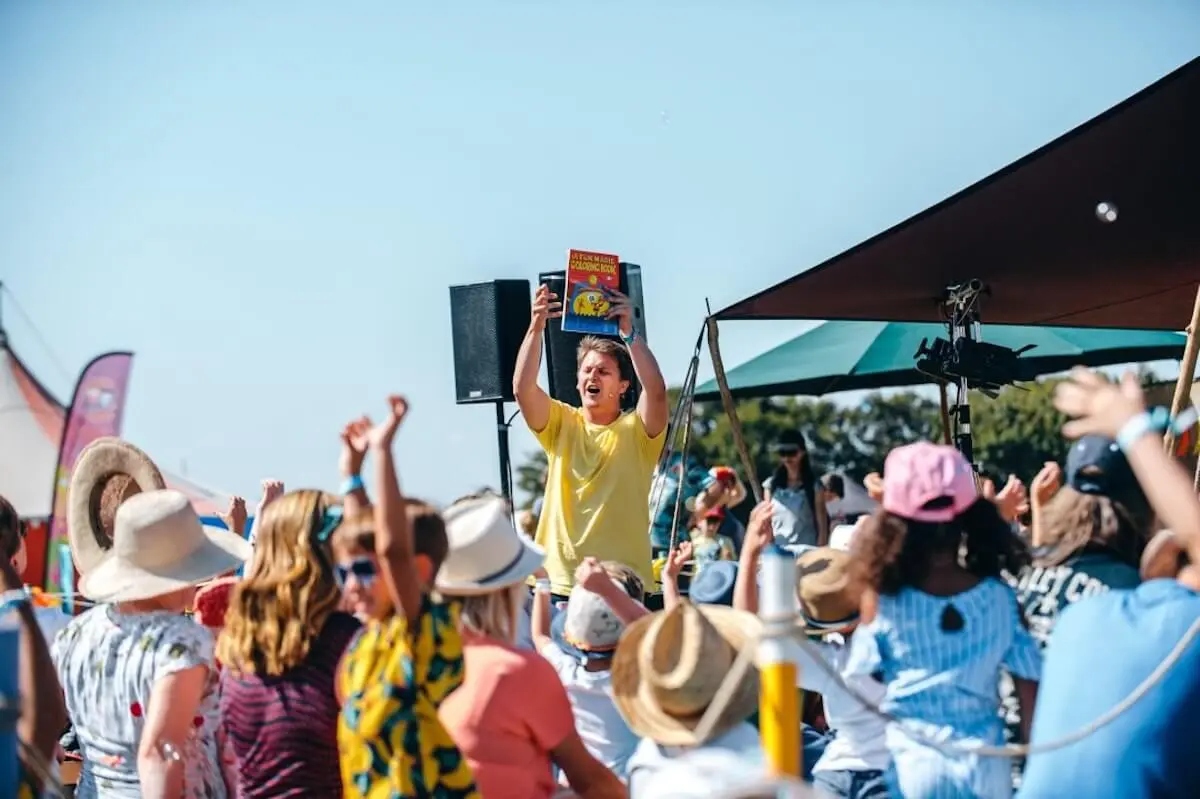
31	425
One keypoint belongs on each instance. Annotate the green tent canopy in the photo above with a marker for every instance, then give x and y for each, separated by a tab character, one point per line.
851	356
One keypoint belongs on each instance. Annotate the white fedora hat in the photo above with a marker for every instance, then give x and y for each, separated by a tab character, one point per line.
160	546
486	553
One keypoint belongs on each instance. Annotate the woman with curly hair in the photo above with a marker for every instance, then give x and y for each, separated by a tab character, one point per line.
940	622
280	648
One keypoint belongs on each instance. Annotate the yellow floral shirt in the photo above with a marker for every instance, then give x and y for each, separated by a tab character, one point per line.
390	740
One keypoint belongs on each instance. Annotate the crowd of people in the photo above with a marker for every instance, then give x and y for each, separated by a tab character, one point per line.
375	646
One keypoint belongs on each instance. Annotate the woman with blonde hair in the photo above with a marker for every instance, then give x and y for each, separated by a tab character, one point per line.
280	648
511	716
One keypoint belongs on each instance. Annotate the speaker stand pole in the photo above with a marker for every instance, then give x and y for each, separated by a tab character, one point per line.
505	460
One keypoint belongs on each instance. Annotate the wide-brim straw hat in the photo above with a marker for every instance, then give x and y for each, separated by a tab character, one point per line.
670	665
829	595
485	551
160	546
107	472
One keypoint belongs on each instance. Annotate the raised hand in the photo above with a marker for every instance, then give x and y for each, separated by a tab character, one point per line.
591	576
235	517
271	491
1045	485
546	305
354	446
381	435
1096	405
678	558
1012	499
621	309
873	482
759	532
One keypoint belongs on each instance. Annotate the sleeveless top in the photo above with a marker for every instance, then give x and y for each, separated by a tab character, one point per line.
392	681
793	518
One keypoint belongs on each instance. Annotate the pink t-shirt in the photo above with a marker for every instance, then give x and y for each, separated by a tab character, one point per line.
510	711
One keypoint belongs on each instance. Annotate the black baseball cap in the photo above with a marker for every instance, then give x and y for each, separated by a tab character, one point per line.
789	440
1097	466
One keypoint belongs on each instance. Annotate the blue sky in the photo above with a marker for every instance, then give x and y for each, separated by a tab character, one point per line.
268	203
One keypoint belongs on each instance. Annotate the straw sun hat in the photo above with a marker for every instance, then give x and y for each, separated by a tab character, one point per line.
669	666
829	597
160	546
107	472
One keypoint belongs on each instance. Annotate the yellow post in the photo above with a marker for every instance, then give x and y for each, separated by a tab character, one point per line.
779	699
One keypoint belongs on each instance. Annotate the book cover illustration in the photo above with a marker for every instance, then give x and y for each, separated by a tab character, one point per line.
591	276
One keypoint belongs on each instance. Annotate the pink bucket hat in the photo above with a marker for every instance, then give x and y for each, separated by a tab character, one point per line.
917	474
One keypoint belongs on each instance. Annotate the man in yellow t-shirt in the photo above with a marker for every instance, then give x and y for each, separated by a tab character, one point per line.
600	460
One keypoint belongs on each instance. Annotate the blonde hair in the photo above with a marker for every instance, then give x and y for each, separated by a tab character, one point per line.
279	609
494	614
1073	521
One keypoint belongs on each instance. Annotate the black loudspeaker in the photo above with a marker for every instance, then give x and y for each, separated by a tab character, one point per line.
488	322
560	347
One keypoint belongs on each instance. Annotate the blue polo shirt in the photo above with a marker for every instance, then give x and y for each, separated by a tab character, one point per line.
1101	649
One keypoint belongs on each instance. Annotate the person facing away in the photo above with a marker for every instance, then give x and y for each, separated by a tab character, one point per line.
408	658
1106	646
138	675
279	649
511	717
600	460
939	623
580	642
799	516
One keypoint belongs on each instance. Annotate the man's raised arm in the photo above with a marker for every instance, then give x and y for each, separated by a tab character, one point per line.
652	404
531	399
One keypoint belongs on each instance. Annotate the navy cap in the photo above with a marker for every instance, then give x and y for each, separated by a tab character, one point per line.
713	585
1097	466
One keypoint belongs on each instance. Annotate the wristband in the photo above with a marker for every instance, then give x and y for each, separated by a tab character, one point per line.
1149	421
542	586
11	600
351	484
632	337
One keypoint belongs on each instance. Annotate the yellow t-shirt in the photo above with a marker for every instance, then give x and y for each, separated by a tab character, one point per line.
597	501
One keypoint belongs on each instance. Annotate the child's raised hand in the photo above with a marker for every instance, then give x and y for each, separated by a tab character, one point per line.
271	491
677	559
873	482
381	435
1012	498
591	576
1045	484
354	446
235	517
1096	405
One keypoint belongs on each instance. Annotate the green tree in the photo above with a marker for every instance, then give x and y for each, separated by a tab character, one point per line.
531	477
1019	430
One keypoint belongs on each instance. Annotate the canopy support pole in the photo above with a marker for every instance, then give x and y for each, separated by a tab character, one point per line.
1187	374
735	424
944	397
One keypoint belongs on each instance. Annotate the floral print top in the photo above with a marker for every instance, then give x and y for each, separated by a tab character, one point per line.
108	663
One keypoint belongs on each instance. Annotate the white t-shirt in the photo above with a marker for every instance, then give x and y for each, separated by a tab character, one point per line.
860	743
599	724
651	762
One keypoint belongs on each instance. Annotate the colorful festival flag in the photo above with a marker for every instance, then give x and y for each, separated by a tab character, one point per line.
96	410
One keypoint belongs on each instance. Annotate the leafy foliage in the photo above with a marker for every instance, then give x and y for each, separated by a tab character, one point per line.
1013	434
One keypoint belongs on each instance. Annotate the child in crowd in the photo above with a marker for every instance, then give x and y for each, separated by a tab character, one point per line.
939	622
852	761
397	671
580	641
708	545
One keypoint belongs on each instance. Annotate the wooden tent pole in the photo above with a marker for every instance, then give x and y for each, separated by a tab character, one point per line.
944	396
1187	371
735	424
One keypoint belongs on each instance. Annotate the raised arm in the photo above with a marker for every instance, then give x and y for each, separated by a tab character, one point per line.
759	535
1114	410
531	399
652	404
393	535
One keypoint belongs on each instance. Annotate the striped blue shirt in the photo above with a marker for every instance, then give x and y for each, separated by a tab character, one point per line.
946	684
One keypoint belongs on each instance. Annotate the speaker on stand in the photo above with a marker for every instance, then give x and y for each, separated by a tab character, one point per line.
561	347
488	322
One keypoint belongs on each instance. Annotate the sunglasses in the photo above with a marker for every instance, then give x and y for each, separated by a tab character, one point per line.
790	452
362	569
